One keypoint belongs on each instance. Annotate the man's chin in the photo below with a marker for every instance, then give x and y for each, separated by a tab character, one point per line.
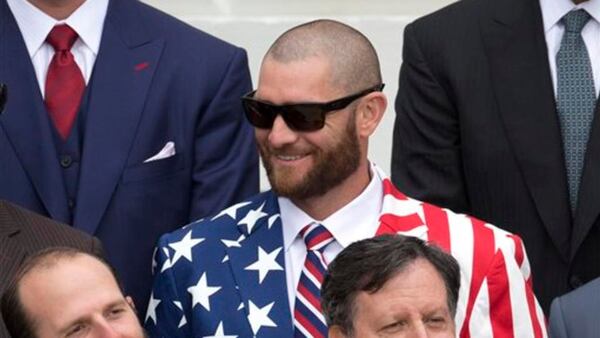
286	185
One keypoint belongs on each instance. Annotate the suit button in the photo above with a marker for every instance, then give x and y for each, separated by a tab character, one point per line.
66	161
71	203
575	282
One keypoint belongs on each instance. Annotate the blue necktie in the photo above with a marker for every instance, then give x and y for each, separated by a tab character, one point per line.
576	98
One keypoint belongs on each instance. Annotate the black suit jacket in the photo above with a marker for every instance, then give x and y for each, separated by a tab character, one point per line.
23	232
477	131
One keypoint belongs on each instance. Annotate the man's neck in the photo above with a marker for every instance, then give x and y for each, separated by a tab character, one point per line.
58	9
321	207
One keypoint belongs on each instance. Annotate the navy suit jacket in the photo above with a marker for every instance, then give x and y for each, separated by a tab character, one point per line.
575	314
155	80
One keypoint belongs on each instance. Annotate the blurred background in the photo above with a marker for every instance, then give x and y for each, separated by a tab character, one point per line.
255	24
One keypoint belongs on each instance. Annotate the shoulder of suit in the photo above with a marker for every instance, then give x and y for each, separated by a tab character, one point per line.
170	27
582	293
37	231
228	222
452	12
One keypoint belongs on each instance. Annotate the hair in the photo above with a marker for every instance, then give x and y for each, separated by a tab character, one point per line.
352	57
17	320
368	264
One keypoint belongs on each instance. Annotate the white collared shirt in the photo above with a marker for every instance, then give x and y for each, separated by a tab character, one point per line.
552	13
357	220
35	25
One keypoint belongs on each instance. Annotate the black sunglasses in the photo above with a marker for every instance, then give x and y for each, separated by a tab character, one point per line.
298	116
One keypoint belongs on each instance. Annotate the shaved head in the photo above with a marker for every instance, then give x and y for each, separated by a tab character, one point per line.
353	61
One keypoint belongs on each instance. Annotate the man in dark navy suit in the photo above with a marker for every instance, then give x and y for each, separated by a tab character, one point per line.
123	122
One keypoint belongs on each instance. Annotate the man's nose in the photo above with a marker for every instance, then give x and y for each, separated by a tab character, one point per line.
281	134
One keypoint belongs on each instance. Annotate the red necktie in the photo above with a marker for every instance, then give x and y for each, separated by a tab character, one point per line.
64	81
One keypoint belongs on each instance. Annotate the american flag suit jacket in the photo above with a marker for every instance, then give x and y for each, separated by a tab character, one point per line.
224	276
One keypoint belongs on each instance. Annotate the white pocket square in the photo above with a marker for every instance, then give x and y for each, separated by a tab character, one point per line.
167	151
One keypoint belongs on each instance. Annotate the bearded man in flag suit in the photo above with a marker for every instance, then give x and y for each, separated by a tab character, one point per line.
255	268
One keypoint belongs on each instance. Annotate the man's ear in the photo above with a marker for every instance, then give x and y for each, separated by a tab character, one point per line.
336	332
131	303
369	113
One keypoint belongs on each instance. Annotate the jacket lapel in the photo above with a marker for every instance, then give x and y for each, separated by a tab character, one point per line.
25	120
123	73
516	49
588	205
258	266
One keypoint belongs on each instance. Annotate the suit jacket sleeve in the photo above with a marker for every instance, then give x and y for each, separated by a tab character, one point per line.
506	296
426	155
226	160
166	317
557	324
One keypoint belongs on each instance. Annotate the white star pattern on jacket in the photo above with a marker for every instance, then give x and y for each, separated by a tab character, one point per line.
259	316
151	314
252	217
220	333
231	211
202	292
184	247
265	263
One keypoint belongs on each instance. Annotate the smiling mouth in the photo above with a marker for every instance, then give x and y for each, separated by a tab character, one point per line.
289	157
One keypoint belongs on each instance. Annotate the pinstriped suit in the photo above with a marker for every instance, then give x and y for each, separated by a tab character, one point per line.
23	232
477	131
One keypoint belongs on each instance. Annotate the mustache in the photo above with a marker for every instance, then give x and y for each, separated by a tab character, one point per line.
286	150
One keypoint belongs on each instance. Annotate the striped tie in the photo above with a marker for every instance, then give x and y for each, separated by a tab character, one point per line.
308	319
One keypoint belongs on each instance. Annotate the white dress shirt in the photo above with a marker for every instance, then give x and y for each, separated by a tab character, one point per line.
35	25
552	13
357	220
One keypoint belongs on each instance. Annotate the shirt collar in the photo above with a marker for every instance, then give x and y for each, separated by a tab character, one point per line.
361	214
35	25
554	10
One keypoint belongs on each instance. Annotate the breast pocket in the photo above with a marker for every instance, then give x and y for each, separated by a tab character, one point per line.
153	170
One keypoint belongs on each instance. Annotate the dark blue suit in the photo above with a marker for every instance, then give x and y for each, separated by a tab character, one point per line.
156	80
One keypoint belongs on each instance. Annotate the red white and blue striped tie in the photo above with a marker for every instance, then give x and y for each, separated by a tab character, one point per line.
308	318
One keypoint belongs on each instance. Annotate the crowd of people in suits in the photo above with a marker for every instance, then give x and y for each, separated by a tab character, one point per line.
121	124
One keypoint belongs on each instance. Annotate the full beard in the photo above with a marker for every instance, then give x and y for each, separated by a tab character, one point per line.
330	168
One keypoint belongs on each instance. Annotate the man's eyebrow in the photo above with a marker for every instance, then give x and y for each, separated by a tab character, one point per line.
84	319
115	303
68	326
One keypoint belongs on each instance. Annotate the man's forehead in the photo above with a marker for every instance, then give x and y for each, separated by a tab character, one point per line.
306	80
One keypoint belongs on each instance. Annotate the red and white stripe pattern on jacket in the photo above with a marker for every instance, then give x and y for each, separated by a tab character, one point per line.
496	297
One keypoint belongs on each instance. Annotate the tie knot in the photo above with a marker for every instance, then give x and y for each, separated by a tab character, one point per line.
62	37
574	21
316	236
